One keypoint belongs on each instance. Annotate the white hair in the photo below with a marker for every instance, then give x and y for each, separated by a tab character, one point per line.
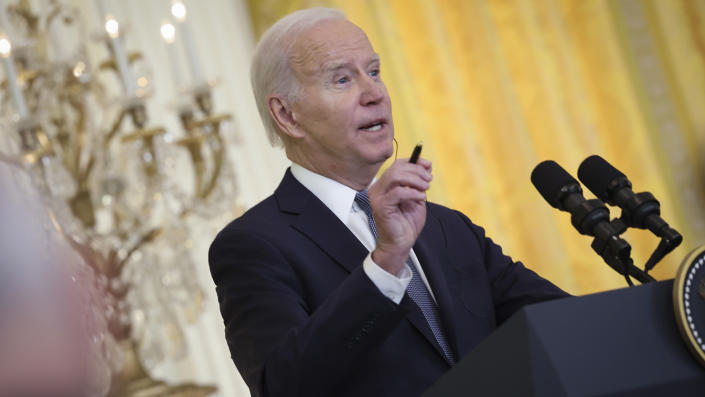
271	71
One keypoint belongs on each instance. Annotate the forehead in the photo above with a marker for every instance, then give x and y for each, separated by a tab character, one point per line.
328	44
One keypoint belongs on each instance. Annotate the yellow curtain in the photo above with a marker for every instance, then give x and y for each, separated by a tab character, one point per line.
494	87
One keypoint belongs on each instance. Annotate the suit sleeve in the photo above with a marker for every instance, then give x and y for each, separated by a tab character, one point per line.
513	285
279	344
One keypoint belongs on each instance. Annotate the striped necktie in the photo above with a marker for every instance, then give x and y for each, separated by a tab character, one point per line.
416	289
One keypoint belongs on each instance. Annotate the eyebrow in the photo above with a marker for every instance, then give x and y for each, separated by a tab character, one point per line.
335	66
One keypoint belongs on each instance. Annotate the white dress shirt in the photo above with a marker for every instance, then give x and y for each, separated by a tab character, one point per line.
340	199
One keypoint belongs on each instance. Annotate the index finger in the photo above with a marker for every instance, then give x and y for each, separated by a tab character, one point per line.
421	161
424	163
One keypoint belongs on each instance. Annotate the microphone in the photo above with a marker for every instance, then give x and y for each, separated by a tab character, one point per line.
589	217
640	210
563	192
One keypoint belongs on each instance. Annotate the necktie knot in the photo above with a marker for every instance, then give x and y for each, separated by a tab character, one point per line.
363	201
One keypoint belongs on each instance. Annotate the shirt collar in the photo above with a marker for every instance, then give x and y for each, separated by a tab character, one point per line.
336	196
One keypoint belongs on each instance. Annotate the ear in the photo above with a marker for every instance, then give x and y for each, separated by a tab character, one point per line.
283	116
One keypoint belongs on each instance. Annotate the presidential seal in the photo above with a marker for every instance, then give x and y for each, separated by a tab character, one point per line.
689	302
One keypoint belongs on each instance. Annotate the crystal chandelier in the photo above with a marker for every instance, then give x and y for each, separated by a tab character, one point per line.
111	181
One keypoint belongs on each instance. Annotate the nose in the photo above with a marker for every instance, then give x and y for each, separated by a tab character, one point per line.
372	92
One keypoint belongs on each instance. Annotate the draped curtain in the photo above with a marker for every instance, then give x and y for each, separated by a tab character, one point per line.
494	87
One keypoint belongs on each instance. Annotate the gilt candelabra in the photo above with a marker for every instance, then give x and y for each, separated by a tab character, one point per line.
110	179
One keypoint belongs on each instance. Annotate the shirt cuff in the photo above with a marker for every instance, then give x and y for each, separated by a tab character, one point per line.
391	286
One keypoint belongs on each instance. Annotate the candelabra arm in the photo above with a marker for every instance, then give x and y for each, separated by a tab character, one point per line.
110	64
218	148
55	12
146	238
81	203
35	144
218	160
147	136
193	145
114	129
80	128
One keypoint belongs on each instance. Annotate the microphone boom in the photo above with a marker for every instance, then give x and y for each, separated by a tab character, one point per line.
639	210
589	217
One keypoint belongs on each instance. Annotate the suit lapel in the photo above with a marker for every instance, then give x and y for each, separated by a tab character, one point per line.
319	223
430	249
321	226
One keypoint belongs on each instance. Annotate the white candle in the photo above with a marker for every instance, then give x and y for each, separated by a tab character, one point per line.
100	10
11	77
178	10
57	41
168	33
4	23
123	65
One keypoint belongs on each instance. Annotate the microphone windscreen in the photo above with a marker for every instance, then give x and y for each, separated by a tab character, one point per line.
596	174
550	179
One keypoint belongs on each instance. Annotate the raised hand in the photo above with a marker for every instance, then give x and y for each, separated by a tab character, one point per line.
398	201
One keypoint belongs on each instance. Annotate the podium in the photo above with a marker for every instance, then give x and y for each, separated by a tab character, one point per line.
617	343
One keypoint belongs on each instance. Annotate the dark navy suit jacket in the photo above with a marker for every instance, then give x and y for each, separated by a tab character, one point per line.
302	317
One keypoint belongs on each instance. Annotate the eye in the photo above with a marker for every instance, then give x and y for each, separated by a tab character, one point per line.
342	80
374	73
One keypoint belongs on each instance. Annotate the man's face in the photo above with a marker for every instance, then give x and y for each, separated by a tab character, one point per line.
344	110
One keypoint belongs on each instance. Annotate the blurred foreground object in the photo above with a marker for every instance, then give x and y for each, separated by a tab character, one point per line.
53	332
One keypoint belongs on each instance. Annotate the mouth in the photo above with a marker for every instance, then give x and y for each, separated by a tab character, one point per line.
373	126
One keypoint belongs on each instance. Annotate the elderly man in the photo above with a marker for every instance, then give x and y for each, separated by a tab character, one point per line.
339	284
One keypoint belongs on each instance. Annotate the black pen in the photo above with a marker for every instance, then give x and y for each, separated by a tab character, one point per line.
416	153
